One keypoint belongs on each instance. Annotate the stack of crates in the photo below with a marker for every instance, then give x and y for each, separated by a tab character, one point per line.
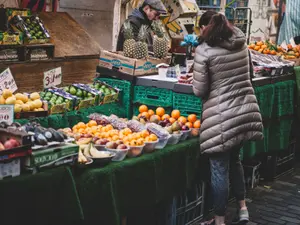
153	98
125	95
187	104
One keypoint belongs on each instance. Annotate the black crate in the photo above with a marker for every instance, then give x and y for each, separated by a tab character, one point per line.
39	52
278	163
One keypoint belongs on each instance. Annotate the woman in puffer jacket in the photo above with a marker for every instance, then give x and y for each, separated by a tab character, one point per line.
231	114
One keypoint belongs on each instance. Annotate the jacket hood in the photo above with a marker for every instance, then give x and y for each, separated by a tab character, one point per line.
237	41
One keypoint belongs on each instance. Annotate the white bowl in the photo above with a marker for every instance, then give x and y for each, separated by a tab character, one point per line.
120	154
162	142
150	146
185	134
135	151
175	138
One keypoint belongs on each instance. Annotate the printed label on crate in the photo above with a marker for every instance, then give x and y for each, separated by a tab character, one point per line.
7	81
177	71
52	77
7	113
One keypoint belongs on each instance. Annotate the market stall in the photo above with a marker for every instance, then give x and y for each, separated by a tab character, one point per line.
96	149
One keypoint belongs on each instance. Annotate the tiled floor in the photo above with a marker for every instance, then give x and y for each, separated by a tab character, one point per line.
275	203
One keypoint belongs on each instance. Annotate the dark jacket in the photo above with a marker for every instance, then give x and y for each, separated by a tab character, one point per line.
137	19
231	114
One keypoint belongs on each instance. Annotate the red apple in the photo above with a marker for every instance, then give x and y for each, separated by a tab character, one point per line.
8	144
15	143
122	147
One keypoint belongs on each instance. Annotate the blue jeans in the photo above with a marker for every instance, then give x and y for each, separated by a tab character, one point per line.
225	167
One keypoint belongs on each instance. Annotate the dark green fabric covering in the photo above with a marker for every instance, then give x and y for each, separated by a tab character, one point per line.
46	198
120	188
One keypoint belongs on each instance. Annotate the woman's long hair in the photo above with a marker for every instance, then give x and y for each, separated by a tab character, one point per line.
218	30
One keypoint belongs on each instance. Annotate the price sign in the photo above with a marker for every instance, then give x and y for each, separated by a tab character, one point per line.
7	81
7	113
52	77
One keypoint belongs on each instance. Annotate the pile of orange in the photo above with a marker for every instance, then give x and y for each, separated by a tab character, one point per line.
108	132
269	48
191	121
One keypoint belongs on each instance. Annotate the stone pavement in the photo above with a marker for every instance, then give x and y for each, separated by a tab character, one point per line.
276	203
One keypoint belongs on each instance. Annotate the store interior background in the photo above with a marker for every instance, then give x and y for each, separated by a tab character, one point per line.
102	18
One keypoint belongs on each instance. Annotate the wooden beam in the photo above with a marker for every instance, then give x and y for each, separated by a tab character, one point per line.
116	23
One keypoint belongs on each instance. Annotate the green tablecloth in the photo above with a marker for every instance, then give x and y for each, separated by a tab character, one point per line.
98	195
119	189
46	198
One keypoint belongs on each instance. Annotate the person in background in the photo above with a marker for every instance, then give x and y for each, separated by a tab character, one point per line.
149	11
231	114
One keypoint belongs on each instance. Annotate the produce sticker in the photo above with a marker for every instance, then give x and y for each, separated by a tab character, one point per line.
7	81
7	113
52	77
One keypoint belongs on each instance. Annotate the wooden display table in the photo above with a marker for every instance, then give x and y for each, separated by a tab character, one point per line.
75	51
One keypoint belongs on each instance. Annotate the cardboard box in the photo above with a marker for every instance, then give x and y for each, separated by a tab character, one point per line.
178	8
11	12
112	95
134	67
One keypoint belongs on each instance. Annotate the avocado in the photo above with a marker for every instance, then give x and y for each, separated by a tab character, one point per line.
56	135
79	93
73	90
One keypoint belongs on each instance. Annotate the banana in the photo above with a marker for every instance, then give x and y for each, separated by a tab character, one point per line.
81	157
86	150
97	154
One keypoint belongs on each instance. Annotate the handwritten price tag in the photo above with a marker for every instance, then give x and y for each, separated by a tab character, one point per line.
7	113
7	81
52	77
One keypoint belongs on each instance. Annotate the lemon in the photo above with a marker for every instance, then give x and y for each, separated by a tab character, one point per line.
31	105
21	97
26	107
17	108
38	103
10	100
40	109
19	102
34	96
6	93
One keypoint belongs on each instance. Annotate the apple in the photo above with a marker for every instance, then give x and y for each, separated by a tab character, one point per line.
184	127
87	136
2	147
95	139
122	146
111	145
8	144
101	142
119	142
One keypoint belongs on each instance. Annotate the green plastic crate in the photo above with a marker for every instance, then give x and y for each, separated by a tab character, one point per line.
265	97
153	96
125	95
187	104
280	133
253	148
284	98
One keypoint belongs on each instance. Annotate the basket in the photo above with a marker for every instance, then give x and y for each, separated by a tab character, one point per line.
265	98
187	104
279	136
153	96
284	98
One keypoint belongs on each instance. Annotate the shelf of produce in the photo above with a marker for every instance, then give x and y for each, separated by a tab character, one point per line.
76	52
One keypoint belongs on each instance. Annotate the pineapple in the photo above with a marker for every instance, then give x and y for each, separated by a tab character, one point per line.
160	42
141	47
129	43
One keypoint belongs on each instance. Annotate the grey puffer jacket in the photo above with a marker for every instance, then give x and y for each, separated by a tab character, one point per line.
231	114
